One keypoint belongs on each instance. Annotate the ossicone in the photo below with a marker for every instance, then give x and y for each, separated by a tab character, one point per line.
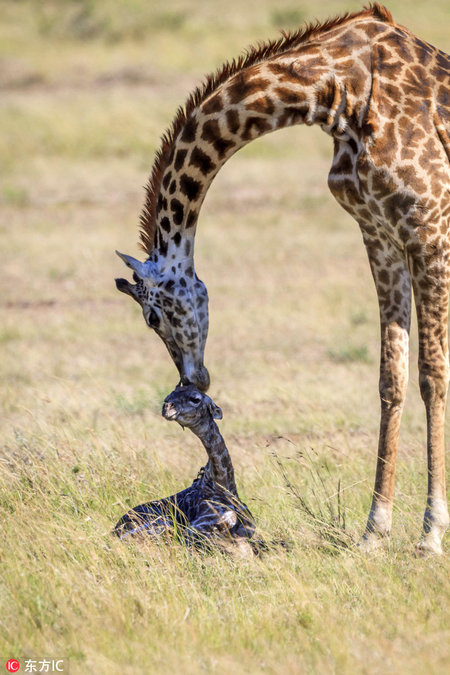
144	270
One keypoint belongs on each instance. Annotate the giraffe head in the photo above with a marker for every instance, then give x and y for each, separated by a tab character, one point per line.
175	305
189	406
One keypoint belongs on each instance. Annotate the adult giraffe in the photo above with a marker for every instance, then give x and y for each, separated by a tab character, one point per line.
384	97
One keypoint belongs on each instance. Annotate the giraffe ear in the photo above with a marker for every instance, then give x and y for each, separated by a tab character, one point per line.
130	289
146	270
215	411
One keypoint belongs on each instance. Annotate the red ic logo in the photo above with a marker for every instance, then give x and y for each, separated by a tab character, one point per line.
12	666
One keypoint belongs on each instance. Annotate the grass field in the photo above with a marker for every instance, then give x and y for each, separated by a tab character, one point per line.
86	88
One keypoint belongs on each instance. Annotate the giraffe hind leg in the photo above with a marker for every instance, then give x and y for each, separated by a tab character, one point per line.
432	316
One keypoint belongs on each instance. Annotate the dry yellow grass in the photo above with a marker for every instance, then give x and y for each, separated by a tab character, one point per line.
87	87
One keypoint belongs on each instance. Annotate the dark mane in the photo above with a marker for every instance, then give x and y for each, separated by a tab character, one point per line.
252	56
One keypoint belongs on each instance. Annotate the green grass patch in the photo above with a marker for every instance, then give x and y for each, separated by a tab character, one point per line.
87	89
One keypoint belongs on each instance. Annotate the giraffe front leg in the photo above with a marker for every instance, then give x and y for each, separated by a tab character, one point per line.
216	527
214	519
432	314
393	286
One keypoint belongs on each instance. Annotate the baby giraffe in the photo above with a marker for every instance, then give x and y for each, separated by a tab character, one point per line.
210	507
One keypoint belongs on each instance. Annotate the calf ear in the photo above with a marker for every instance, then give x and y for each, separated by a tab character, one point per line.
215	411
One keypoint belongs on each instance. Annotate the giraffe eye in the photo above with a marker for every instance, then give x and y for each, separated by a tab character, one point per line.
153	319
194	399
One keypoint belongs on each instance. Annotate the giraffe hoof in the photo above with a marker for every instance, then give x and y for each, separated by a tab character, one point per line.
428	547
370	543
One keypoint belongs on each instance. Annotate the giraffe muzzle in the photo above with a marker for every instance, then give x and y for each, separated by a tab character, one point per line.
169	412
198	377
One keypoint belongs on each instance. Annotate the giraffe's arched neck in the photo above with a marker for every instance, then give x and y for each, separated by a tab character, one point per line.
322	75
311	83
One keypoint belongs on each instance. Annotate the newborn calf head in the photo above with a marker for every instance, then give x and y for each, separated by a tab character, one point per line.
189	406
